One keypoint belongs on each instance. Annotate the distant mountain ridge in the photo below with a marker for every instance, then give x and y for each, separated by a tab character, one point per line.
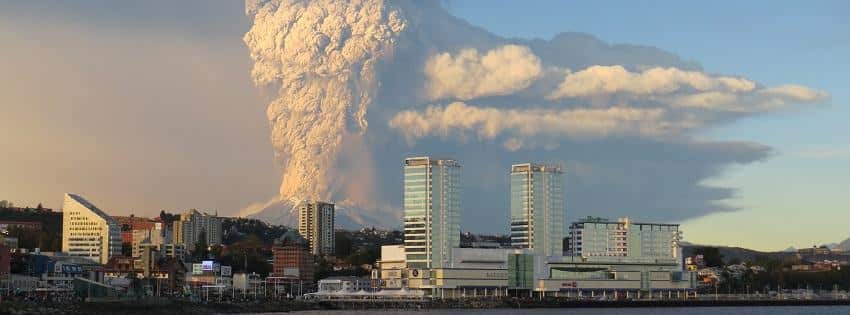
736	253
285	212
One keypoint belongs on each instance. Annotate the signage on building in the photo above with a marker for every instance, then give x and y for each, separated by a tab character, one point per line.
197	269
71	269
226	271
571	284
207	265
290	272
160	275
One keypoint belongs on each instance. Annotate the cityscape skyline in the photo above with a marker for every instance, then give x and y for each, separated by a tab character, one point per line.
169	135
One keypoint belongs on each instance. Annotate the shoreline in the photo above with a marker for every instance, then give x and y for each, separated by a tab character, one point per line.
186	307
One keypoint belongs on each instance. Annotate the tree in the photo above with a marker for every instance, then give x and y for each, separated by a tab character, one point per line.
201	251
127	249
711	256
343	244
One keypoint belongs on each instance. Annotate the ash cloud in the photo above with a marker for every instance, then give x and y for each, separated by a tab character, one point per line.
359	85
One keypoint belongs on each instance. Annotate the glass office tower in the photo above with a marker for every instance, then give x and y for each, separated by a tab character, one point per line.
431	211
537	208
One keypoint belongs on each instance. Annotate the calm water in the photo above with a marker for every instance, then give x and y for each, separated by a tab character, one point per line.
772	310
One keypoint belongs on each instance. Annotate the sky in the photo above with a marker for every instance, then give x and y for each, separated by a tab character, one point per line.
799	196
149	105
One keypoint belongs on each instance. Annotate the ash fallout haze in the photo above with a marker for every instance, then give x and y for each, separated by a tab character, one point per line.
248	108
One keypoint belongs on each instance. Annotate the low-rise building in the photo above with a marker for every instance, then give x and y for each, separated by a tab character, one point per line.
247	283
500	272
292	258
346	284
5	225
624	238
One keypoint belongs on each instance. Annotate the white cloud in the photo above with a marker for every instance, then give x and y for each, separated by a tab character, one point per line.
469	74
675	88
524	126
793	92
602	80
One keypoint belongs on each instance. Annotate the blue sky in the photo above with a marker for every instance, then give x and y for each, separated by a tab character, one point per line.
799	196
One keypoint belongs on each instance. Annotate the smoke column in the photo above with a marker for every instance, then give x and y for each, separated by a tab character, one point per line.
321	56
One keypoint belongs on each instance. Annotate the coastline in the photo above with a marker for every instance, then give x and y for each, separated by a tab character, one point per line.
185	307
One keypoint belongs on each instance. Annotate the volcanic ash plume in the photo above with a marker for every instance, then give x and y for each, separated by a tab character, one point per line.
322	57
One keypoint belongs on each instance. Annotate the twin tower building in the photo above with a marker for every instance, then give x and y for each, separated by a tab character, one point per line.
432	210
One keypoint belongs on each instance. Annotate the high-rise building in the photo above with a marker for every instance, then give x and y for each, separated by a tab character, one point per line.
316	225
88	231
431	211
187	230
591	237
537	208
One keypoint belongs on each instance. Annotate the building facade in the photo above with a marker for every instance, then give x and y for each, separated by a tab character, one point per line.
597	237
316	225
431	211
187	230
537	208
154	236
292	258
344	283
131	223
293	261
88	231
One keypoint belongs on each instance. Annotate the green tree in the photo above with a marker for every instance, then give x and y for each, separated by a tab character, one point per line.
711	256
201	251
343	244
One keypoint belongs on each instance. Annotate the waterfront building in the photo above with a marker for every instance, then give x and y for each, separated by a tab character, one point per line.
537	208
390	268
431	211
597	237
188	230
606	276
292	258
502	272
316	225
345	284
88	231
247	283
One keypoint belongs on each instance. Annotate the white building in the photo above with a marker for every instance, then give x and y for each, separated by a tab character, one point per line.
431	211
88	231
188	229
346	284
503	272
595	237
151	237
247	283
316	225
537	208
173	250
